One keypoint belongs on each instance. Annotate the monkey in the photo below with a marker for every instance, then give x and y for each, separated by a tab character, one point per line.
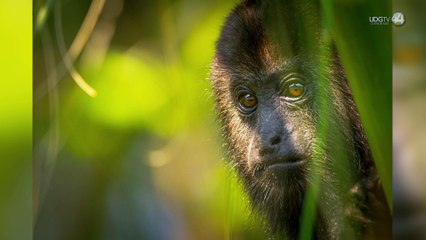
289	121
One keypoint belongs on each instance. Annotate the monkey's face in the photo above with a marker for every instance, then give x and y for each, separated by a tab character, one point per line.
273	114
269	122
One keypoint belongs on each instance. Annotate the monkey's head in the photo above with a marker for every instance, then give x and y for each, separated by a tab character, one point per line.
281	122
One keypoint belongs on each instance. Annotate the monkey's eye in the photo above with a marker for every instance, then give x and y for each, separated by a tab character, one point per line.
294	90
247	102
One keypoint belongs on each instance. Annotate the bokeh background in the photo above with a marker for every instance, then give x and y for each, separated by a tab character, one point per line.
15	119
126	143
409	116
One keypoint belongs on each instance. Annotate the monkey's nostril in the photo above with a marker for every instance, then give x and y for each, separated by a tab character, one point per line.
275	140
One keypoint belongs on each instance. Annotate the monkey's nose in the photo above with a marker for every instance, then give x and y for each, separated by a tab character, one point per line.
275	140
271	146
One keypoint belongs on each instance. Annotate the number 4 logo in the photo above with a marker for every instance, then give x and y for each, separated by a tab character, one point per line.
398	19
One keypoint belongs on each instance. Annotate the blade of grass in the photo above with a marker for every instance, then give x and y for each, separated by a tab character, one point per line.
366	52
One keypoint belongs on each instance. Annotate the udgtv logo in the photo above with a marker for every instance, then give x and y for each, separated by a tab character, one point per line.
398	19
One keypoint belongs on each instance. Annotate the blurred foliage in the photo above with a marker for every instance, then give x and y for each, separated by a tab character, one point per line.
367	60
15	120
366	52
409	114
143	158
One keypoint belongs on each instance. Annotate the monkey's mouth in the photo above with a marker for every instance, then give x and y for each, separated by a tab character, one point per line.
284	166
281	166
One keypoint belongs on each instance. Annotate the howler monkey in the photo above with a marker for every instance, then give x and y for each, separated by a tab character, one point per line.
290	123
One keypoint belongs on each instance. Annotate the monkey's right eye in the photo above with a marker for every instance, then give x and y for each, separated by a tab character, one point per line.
247	102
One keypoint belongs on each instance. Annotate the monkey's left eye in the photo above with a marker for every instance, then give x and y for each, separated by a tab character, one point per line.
294	90
247	102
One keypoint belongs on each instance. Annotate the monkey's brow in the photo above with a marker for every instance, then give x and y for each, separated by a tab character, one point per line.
251	81
298	65
262	79
245	78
